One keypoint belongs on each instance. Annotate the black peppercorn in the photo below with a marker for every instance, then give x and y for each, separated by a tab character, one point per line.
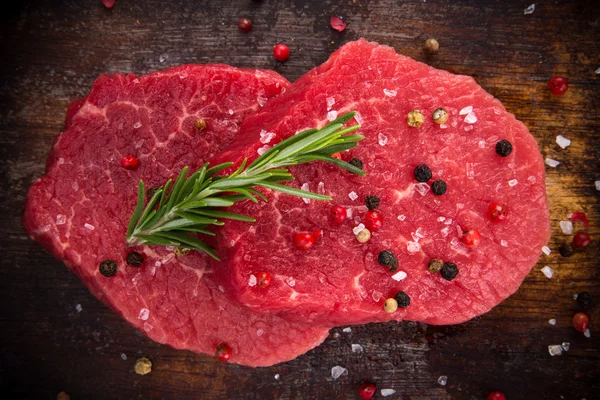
422	173
503	148
372	202
403	299
388	259
108	268
566	250
439	187
135	259
449	271
435	266
584	299
357	163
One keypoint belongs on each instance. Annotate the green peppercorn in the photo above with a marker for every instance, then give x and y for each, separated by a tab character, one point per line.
135	259
449	271
566	250
415	118
357	163
403	299
388	259
108	268
422	173
503	148
438	187
440	116
181	251
435	266
584	299
372	202
390	305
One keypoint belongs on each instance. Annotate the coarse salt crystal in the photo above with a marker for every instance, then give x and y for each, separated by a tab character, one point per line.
587	333
261	100
468	128
552	163
448	221
305	187
470	170
482	144
413	247
443	380
78	308
552	321
566	346
330	102
390	93
359	118
353	196
168	258
375	295
88	226
419	233
61	219
529	10
562	141
555	350
532	179
321	188
157	264
383	140
221	289
123	356
513	182
266	137
466	110
454	242
503	243
347	330
548	272
597	71
357	348
144	314
597	183
401	217
290	281
153	271
163	57
137	125
441	219
358	228
252	280
445	231
338	371
387	392
471	118
331	115
567	227
349	213
422	188
443	126
575	296
398	276
546	250
263	150
259	332
276	377
230	111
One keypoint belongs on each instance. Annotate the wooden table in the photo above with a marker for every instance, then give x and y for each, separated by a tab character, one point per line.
52	51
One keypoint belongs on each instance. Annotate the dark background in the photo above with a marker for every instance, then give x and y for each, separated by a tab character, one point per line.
52	51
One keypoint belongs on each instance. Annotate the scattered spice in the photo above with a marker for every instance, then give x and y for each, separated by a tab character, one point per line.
439	187
580	217
402	299
584	299
337	23
338	214
63	396
432	46
143	366
581	322
264	279
498	212
108	268
581	239
415	118
245	24
281	52
388	259
366	391
434	266
108	3
363	236
503	148
304	240
422	173
150	192
558	85
200	124
181	251
471	237
372	202
357	163
390	305
566	250
223	352
129	162
135	259
449	271
440	116
373	221
496	396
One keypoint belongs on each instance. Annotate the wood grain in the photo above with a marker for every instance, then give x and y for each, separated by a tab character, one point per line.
53	50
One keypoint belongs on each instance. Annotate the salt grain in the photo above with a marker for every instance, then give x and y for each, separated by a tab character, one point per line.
597	183
422	188
566	346
157	263
290	281
137	125
466	110
532	179
401	217
144	314
78	308
261	100
441	219
331	115
276	377
398	276
555	350
471	118
503	243
347	330
353	196
454	242
448	221
387	392
413	247
263	149
330	102
221	289
338	371
552	163
482	144
587	333
357	348
61	219
230	111
445	231
562	141
443	380
390	93
598	71
252	281
548	272
513	182
469	167
266	137
529	10
552	321
89	227
375	295
305	186
546	250
163	57
567	227
358	228
259	332
443	126
123	356
383	140
359	118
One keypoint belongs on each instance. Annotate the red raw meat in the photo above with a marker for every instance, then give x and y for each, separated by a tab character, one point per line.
80	209
339	280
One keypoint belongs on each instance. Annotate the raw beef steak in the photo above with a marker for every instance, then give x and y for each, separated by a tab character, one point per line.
80	209
340	280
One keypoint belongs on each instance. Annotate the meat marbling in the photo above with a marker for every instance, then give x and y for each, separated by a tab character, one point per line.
80	209
339	280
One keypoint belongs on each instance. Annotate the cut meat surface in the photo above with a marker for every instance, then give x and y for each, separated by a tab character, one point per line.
339	280
80	209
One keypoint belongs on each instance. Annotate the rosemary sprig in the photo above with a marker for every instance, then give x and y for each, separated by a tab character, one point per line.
179	210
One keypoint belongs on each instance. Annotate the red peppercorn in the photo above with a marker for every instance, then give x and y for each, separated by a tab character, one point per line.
496	396
581	239
245	24
366	391
108	3
223	352
281	52
498	212
129	162
337	23
471	237
263	279
581	321
304	240
337	155
558	85
579	216
338	214
373	221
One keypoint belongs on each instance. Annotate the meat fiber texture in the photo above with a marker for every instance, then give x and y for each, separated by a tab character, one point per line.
80	209
339	280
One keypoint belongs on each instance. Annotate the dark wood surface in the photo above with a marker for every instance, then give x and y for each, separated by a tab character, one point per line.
52	50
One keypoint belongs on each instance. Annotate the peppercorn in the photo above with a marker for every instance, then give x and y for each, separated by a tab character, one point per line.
449	271
402	299
415	118
439	187
357	163
434	265
390	305
200	124
143	366
363	236
135	259
440	116
372	202
181	251
584	299
388	259
566	250
432	45
245	24
503	148
108	268
422	173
